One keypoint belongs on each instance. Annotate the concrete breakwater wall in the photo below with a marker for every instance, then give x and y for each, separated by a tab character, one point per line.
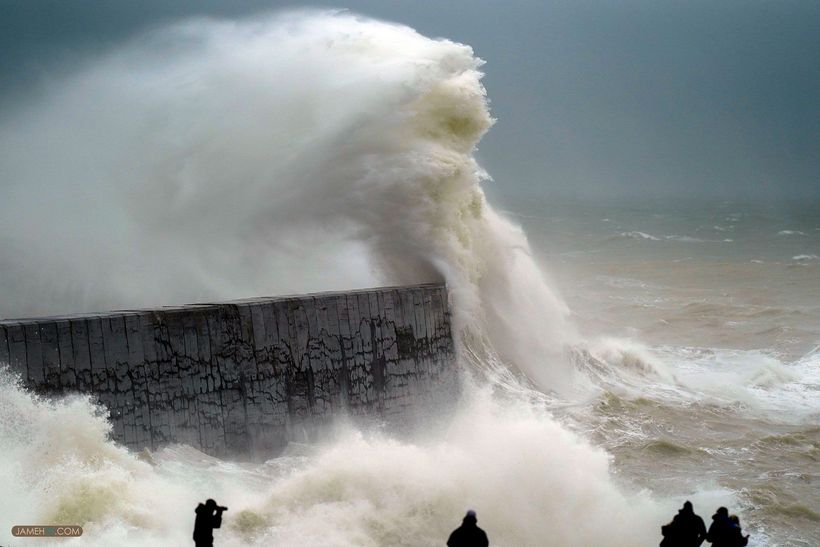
245	377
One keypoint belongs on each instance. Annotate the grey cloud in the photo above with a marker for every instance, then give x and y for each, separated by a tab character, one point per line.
594	99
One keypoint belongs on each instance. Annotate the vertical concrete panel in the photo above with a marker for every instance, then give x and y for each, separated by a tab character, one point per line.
300	335
51	355
245	343
331	333
65	348
225	330
430	356
320	356
377	360
418	308
392	388
408	311
34	355
346	350
117	394
357	390
96	349
133	338
16	339
435	320
176	373
332	341
189	376
4	347
402	374
388	329
422	342
115	341
253	327
284	355
312	346
437	313
266	362
412	338
277	386
429	333
368	351
81	350
204	360
261	343
448	388
208	404
300	377
192	380
139	420
365	330
316	314
272	374
147	328
445	350
429	315
165	382
267	400
284	362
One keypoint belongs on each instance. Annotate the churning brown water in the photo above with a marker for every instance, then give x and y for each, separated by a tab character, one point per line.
713	312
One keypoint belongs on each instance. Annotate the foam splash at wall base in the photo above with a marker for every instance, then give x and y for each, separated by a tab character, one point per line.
528	478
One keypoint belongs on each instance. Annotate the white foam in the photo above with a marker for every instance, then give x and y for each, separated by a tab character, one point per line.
759	382
638	235
529	479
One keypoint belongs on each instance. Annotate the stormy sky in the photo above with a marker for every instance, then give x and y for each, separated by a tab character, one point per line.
594	99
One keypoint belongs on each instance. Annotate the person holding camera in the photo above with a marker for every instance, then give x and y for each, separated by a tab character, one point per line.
208	517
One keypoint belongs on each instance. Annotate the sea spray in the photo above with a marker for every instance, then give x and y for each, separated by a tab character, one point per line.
300	152
528	477
307	151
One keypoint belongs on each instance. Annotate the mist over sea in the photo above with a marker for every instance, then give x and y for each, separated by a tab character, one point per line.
623	357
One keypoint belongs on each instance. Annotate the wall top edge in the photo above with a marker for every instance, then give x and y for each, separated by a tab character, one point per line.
203	306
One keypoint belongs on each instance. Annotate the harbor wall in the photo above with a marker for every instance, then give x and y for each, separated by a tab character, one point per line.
246	377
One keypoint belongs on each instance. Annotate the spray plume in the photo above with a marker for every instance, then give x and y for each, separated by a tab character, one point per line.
301	152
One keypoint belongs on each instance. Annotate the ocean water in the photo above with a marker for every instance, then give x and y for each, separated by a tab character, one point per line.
623	358
706	320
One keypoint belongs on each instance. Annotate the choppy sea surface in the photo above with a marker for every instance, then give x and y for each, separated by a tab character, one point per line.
717	307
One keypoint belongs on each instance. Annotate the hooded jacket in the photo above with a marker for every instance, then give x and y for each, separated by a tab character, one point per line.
720	532
468	535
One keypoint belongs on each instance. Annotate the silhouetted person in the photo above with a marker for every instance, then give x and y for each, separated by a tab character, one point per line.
208	517
670	536
468	534
686	529
737	537
720	532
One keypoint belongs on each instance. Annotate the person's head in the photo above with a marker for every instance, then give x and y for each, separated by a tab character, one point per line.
734	519
687	507
210	504
470	517
722	512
